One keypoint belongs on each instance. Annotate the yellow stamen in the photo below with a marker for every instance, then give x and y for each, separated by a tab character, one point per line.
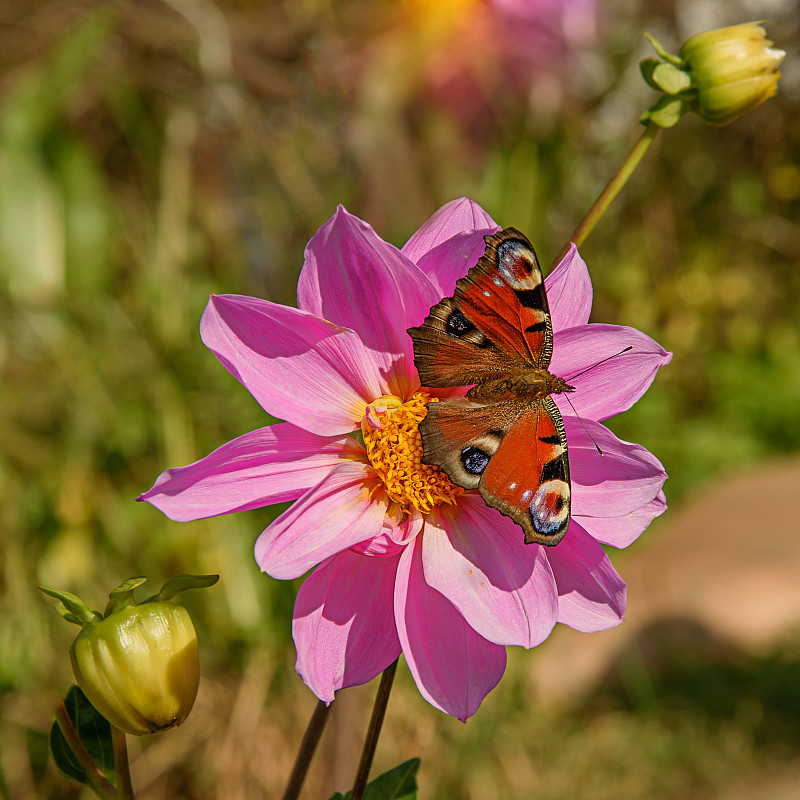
394	446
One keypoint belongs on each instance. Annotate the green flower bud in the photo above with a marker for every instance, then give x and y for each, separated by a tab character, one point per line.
137	664
140	668
719	75
733	70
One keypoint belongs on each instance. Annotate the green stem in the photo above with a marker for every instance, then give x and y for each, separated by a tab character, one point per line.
316	725
121	766
100	784
612	190
373	732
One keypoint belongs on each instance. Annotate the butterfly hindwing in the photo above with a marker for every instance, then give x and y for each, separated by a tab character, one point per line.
496	323
514	454
460	436
527	478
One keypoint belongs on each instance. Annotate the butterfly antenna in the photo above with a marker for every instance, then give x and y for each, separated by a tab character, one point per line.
602	361
583	372
597	446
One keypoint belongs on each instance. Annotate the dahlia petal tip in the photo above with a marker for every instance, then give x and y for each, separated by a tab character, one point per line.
569	291
592	595
298	366
351	277
345	606
456	217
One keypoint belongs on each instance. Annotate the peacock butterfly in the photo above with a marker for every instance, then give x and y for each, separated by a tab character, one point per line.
506	437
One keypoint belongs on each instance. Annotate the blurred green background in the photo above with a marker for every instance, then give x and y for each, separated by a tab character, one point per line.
154	152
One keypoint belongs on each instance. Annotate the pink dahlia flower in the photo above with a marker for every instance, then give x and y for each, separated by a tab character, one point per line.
403	560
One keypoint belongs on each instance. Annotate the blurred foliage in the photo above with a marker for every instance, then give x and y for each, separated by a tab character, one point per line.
152	153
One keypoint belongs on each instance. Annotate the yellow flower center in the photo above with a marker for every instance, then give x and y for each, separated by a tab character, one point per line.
394	446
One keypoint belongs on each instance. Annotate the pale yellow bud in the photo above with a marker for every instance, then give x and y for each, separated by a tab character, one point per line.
137	663
140	667
719	75
732	69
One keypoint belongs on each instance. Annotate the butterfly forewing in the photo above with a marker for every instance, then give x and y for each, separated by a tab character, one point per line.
496	323
504	293
450	351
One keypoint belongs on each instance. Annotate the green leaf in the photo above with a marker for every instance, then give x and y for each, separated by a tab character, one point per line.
664	77
180	583
94	732
399	783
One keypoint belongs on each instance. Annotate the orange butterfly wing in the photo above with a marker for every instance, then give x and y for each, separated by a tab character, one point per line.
497	322
513	449
527	478
514	453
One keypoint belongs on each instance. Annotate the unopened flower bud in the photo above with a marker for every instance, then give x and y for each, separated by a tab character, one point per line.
719	75
137	664
140	668
733	70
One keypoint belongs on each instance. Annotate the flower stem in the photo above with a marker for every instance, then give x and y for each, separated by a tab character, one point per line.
373	732
121	766
99	783
612	189
316	725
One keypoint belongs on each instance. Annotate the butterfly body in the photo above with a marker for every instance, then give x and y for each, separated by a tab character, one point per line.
505	437
530	386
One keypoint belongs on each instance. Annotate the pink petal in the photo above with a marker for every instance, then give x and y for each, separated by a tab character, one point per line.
353	278
381	546
453	666
453	258
393	537
621	531
569	292
451	219
298	367
624	478
477	559
344	509
266	466
613	386
591	594
343	624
